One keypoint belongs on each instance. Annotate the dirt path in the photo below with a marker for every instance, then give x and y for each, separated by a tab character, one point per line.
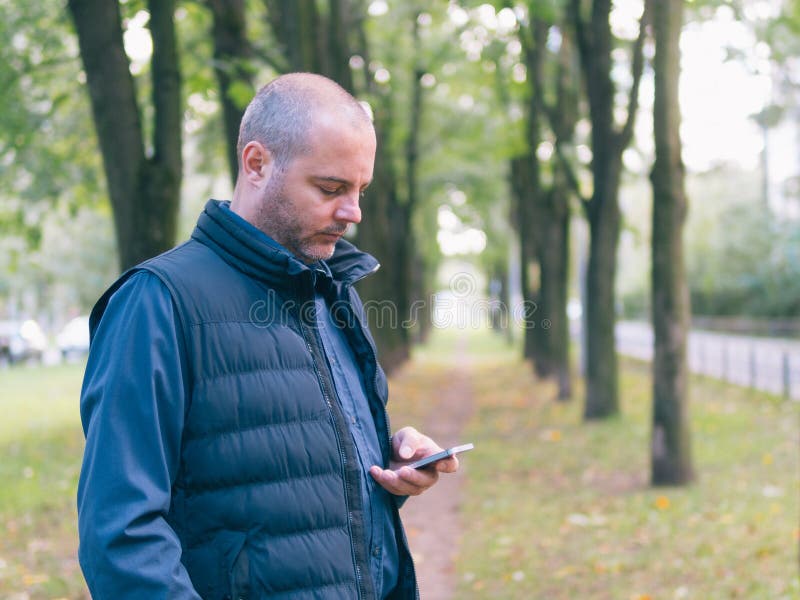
432	520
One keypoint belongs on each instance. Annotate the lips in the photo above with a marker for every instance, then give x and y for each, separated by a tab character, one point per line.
333	234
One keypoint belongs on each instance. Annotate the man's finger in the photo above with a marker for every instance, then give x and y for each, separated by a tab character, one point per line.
423	478
447	465
404	482
407	441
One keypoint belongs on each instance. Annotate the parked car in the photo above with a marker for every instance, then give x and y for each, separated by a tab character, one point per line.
21	341
73	339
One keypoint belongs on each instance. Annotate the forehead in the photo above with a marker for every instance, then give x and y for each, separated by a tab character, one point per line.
344	123
343	146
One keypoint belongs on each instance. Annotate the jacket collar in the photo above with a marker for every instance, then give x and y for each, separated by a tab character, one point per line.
245	248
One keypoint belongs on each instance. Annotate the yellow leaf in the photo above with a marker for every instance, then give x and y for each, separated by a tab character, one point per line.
662	503
565	571
551	435
30	579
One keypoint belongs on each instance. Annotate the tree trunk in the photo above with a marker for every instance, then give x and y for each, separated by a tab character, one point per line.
339	50
533	212
554	261
387	214
411	258
601	366
296	25
608	144
379	236
551	352
231	55
671	459
522	189
144	192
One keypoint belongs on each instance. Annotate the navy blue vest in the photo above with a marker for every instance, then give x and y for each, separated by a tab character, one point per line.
266	502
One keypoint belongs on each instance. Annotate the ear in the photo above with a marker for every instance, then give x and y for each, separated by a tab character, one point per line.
257	164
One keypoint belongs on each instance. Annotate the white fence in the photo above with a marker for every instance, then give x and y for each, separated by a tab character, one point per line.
769	364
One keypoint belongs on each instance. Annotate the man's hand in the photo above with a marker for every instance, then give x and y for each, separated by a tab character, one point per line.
409	445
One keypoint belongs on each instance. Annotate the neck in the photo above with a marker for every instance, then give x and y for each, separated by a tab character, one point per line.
243	206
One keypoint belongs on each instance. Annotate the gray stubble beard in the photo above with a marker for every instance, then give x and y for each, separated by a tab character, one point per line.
277	218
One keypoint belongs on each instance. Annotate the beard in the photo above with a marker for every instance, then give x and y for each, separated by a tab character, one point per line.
280	219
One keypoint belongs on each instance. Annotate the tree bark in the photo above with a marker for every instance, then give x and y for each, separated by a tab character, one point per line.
297	26
601	366
339	50
551	356
232	52
671	457
530	197
383	228
388	208
608	144
144	191
523	187
553	361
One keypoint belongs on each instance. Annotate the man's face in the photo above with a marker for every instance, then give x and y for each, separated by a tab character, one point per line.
310	204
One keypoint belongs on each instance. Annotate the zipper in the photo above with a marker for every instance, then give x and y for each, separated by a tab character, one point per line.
387	432
342	455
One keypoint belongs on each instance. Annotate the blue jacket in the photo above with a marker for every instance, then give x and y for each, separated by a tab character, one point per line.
262	475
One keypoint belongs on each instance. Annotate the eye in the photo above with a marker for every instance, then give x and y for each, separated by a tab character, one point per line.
329	191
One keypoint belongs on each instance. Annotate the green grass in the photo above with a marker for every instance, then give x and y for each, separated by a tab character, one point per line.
556	508
41	443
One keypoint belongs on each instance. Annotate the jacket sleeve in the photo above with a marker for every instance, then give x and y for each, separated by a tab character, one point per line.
132	410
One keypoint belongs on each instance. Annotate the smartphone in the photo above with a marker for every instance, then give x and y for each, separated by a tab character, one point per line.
428	460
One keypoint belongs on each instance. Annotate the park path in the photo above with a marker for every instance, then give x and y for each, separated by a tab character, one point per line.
432	520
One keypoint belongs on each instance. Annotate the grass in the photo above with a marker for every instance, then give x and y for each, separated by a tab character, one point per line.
553	508
41	443
556	508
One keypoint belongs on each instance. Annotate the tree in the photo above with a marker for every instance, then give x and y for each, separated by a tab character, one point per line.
560	108
527	180
42	124
144	186
595	45
232	54
547	98
671	457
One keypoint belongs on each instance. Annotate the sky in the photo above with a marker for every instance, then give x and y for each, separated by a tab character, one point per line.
718	96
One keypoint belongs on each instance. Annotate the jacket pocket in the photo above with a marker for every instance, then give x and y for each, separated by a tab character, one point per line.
240	576
237	569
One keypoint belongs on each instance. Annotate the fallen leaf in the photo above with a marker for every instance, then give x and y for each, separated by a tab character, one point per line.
662	503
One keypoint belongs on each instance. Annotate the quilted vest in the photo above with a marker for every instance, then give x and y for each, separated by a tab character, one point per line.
267	503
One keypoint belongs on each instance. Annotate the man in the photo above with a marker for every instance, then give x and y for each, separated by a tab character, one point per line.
237	444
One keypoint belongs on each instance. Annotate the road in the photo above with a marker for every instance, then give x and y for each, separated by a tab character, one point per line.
769	364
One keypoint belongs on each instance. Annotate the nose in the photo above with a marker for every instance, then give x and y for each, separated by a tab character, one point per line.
348	208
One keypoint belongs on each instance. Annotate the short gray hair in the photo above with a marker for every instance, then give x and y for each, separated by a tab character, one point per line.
281	113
